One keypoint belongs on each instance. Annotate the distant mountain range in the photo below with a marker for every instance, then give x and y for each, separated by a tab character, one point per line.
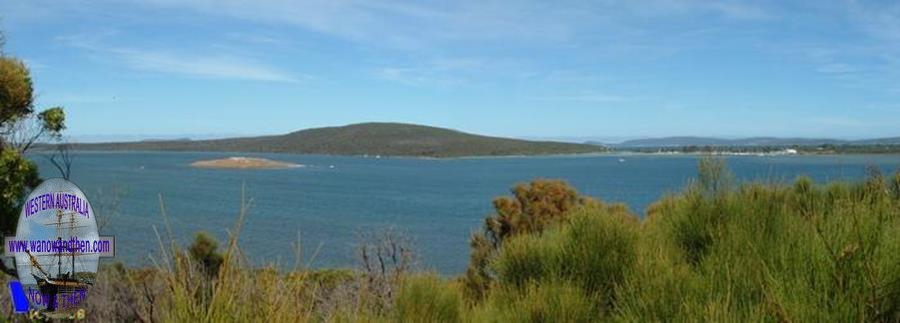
386	139
746	142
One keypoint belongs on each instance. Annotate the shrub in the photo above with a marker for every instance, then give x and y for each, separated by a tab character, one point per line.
533	207
799	252
427	299
204	250
592	251
769	252
713	175
538	302
895	185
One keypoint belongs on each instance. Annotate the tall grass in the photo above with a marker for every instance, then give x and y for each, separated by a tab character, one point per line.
717	251
184	286
427	299
768	252
592	251
537	301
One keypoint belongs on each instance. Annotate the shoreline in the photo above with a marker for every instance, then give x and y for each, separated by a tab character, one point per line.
595	154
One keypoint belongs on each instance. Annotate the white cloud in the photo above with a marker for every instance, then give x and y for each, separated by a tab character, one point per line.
212	66
892	108
82	98
217	67
593	97
433	29
417	76
444	72
728	9
836	68
881	20
34	65
869	59
255	38
737	10
389	23
418	25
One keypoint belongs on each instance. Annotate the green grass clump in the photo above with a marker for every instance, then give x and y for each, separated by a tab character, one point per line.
769	252
427	299
717	251
593	251
537	301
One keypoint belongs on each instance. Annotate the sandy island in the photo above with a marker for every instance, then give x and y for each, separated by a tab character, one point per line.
243	163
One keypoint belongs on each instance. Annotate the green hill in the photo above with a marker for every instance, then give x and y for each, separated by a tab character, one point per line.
387	139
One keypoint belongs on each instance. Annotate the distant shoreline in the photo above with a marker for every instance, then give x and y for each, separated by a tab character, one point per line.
610	153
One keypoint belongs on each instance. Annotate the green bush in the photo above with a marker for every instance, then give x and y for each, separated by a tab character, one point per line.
754	252
204	251
532	208
427	299
719	252
537	302
19	175
768	252
592	251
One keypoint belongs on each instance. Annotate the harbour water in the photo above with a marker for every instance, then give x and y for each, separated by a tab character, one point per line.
438	203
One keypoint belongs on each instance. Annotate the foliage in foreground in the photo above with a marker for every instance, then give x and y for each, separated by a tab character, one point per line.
20	127
716	251
532	208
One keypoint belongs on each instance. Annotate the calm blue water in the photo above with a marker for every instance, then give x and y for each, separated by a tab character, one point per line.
438	202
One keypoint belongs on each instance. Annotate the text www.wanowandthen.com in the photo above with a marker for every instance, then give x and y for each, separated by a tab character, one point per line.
60	246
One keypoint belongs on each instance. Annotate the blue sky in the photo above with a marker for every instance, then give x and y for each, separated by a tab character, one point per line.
553	69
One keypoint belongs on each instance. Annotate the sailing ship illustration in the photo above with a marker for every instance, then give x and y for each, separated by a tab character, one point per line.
67	281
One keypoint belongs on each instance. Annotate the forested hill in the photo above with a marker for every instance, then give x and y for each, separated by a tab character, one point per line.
386	139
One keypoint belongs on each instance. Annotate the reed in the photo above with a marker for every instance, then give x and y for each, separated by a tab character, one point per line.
716	251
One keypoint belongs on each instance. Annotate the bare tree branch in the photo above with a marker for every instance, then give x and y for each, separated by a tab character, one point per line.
385	256
22	134
62	159
107	203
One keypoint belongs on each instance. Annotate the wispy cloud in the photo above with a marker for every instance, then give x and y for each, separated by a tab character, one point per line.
443	72
34	65
853	65
738	10
418	76
83	98
502	30
254	38
878	19
837	68
439	28
868	59
571	76
892	108
211	66
590	97
727	9
216	67
387	23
